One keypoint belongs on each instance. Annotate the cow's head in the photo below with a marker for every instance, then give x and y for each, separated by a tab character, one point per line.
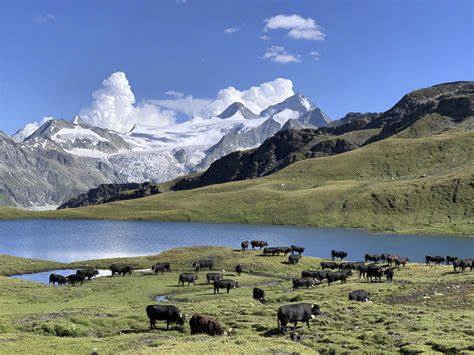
236	284
181	318
315	311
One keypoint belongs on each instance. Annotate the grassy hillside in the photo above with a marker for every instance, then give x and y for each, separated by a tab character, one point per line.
411	315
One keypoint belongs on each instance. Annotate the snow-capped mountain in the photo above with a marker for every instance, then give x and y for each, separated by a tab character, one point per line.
158	153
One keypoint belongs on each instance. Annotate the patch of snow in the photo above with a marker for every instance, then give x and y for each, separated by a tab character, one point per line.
72	134
283	116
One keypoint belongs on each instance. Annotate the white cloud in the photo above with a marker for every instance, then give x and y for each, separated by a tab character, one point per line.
175	94
279	54
256	98
114	107
181	1
231	30
298	27
315	55
45	18
264	37
29	129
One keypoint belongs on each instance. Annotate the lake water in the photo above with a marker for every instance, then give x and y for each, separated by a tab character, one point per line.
73	240
43	277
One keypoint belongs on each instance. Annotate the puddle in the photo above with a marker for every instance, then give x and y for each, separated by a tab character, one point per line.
161	298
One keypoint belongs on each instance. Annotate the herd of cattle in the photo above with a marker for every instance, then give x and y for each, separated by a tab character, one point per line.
373	268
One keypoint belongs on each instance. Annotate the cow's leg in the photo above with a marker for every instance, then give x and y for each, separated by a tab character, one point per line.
228	289
294	324
307	323
167	325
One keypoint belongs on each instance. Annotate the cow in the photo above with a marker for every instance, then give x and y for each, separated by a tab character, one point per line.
297	249
244	245
374	272
338	275
401	261
188	277
389	274
338	254
121	269
88	272
435	259
294	313
384	256
239	268
315	274
169	314
372	257
161	268
224	283
199	265
75	278
467	263
451	259
350	265
284	250
211	276
457	264
59	279
258	243
362	270
329	265
391	259
359	296
303	282
259	295
294	258
204	324
271	251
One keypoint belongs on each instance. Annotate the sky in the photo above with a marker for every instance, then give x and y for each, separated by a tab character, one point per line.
174	58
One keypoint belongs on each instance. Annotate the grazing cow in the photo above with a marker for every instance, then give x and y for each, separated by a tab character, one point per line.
244	245
212	276
271	251
294	313
362	270
435	259
329	265
401	261
359	296
457	264
239	268
338	254
350	265
258	243
297	249
389	274
204	324
188	277
169	314
315	274
451	259
372	257
283	250
161	268
120	269
303	282
259	295
59	279
88	272
75	278
199	265
338	275
467	263
294	258
225	284
374	272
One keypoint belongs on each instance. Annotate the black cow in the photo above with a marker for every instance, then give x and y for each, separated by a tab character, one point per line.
204	324
211	276
389	274
271	251
435	259
259	295
224	283
338	275
338	254
374	272
73	279
303	282
59	279
372	257
359	295
120	269
161	268
258	243
169	314
88	272
451	259
199	265
362	270
244	245
467	263
457	264
187	277
294	313
297	249
329	265
350	265
239	268
315	274
294	258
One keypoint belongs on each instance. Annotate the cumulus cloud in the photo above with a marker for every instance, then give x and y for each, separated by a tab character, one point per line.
279	54
298	27
256	98
315	55
113	107
45	18
231	30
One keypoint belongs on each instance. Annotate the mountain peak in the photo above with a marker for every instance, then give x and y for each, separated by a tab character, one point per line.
240	108
297	102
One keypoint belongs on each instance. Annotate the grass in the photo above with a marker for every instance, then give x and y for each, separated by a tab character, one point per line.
420	185
412	315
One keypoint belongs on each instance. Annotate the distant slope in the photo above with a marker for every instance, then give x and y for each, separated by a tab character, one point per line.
402	184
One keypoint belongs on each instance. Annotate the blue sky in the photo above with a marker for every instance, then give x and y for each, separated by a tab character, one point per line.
53	54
